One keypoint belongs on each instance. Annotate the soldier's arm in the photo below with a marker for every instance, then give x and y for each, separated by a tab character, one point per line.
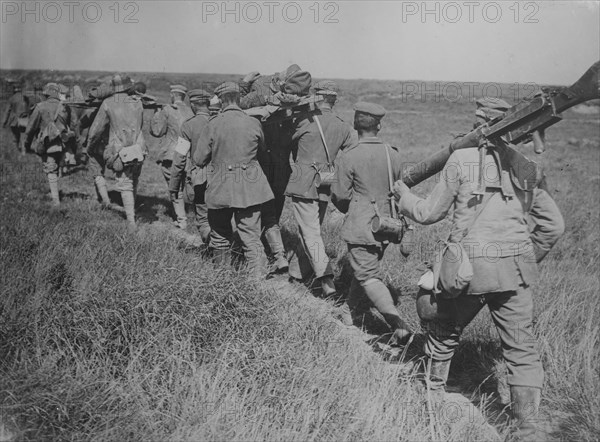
158	124
548	223
203	146
98	126
350	138
341	189
32	126
180	157
7	114
436	206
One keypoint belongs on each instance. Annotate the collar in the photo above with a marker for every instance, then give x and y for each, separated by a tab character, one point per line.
232	107
202	113
370	140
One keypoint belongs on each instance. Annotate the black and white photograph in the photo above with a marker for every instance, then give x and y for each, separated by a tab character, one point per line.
300	221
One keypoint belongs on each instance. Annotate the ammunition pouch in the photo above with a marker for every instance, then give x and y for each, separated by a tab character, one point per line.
325	177
131	154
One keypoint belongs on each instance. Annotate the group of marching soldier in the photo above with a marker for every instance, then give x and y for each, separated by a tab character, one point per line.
241	170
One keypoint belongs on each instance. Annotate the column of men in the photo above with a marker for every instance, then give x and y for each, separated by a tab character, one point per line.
239	174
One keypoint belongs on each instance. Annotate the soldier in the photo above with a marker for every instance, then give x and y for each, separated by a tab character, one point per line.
257	90
237	186
49	122
122	115
495	221
317	139
361	190
192	142
36	97
16	116
166	123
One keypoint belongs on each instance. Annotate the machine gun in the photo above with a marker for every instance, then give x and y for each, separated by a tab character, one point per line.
524	122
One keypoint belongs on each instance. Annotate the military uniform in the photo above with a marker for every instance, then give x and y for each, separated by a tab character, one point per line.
237	186
503	251
18	109
51	151
166	123
309	201
193	143
361	191
122	115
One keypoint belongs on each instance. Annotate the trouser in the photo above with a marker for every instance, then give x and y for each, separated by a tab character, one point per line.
127	182
50	165
247	221
17	132
309	216
512	313
270	213
178	201
201	211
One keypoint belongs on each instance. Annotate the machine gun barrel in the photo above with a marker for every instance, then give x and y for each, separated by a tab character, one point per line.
523	122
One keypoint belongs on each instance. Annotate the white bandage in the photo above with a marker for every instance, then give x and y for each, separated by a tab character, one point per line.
183	146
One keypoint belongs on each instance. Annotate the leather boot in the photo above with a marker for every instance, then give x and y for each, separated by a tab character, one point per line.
438	374
381	298
273	237
53	182
221	257
327	286
102	191
129	206
179	209
525	409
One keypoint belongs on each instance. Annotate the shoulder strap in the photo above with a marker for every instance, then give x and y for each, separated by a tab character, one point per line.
323	138
391	180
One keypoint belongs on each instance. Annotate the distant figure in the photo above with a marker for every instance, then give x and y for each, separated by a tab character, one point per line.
122	114
166	124
37	96
192	143
16	116
49	123
504	253
317	139
361	191
236	185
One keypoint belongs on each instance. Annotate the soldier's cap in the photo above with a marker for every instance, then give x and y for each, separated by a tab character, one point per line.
179	88
489	108
121	83
284	75
51	90
227	88
199	95
375	110
326	87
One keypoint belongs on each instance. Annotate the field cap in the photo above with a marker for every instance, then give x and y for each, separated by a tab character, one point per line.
326	87
199	95
375	110
121	83
489	108
227	88
178	88
51	90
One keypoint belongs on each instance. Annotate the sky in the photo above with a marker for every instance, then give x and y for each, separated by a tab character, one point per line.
506	41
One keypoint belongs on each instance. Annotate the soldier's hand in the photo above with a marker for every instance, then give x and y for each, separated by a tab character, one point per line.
173	195
400	189
251	77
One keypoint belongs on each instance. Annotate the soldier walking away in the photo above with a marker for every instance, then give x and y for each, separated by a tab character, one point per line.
193	142
49	125
489	208
237	186
317	139
166	124
16	116
362	191
122	115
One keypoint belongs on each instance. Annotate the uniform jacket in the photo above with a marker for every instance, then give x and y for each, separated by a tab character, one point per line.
501	245
17	105
43	114
308	151
166	123
235	179
256	94
275	159
362	183
122	114
194	133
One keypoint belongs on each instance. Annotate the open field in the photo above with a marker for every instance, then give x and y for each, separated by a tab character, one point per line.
112	335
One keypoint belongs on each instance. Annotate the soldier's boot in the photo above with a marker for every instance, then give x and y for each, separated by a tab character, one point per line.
179	208
53	182
327	286
350	309
129	206
221	257
525	409
381	298
437	374
273	237
101	190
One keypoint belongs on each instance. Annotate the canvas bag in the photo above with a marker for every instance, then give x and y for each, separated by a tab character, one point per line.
452	268
325	177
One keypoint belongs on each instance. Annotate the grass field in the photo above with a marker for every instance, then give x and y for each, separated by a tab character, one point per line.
111	335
